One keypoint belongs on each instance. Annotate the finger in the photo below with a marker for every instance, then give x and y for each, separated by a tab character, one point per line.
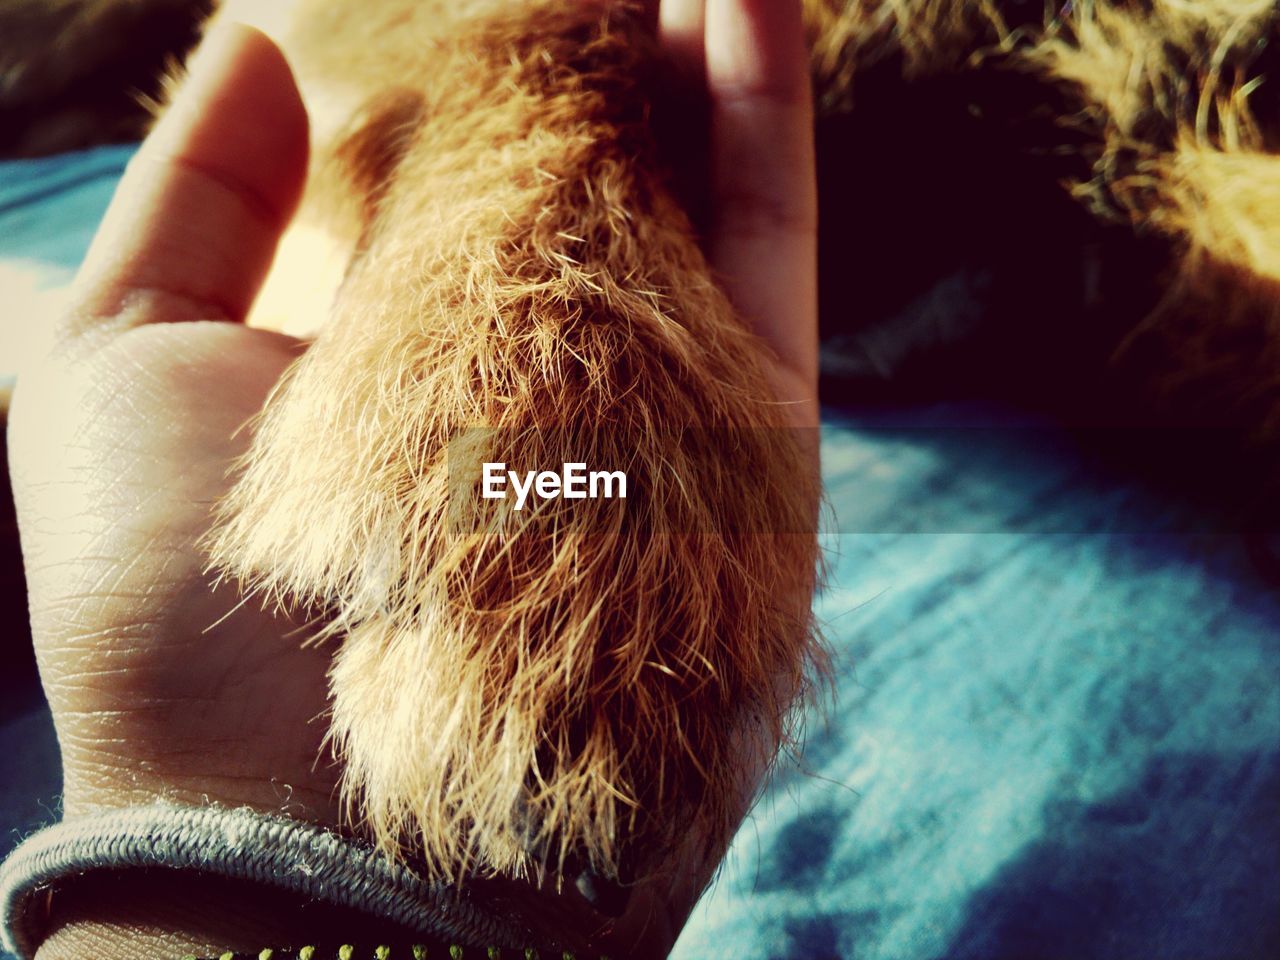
682	32
194	223
763	237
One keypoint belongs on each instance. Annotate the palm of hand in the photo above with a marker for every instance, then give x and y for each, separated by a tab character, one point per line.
159	686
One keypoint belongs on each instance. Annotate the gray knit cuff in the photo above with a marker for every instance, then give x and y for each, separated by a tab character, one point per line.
238	844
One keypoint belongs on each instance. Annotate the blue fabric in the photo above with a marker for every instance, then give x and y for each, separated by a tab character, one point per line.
1055	731
50	208
1042	745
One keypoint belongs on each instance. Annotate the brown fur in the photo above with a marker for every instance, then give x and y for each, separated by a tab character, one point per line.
580	684
74	73
572	687
1158	101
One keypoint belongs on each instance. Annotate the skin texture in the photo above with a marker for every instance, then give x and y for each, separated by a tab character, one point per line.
121	441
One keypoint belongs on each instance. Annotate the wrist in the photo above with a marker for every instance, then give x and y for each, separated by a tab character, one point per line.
96	786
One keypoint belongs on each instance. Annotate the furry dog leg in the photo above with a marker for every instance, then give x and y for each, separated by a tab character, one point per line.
581	683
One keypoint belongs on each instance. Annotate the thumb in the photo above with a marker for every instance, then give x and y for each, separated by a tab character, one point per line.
192	229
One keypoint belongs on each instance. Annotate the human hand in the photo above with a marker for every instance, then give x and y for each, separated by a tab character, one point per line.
122	441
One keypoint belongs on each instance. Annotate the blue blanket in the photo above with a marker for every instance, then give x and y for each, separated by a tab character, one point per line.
1055	722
